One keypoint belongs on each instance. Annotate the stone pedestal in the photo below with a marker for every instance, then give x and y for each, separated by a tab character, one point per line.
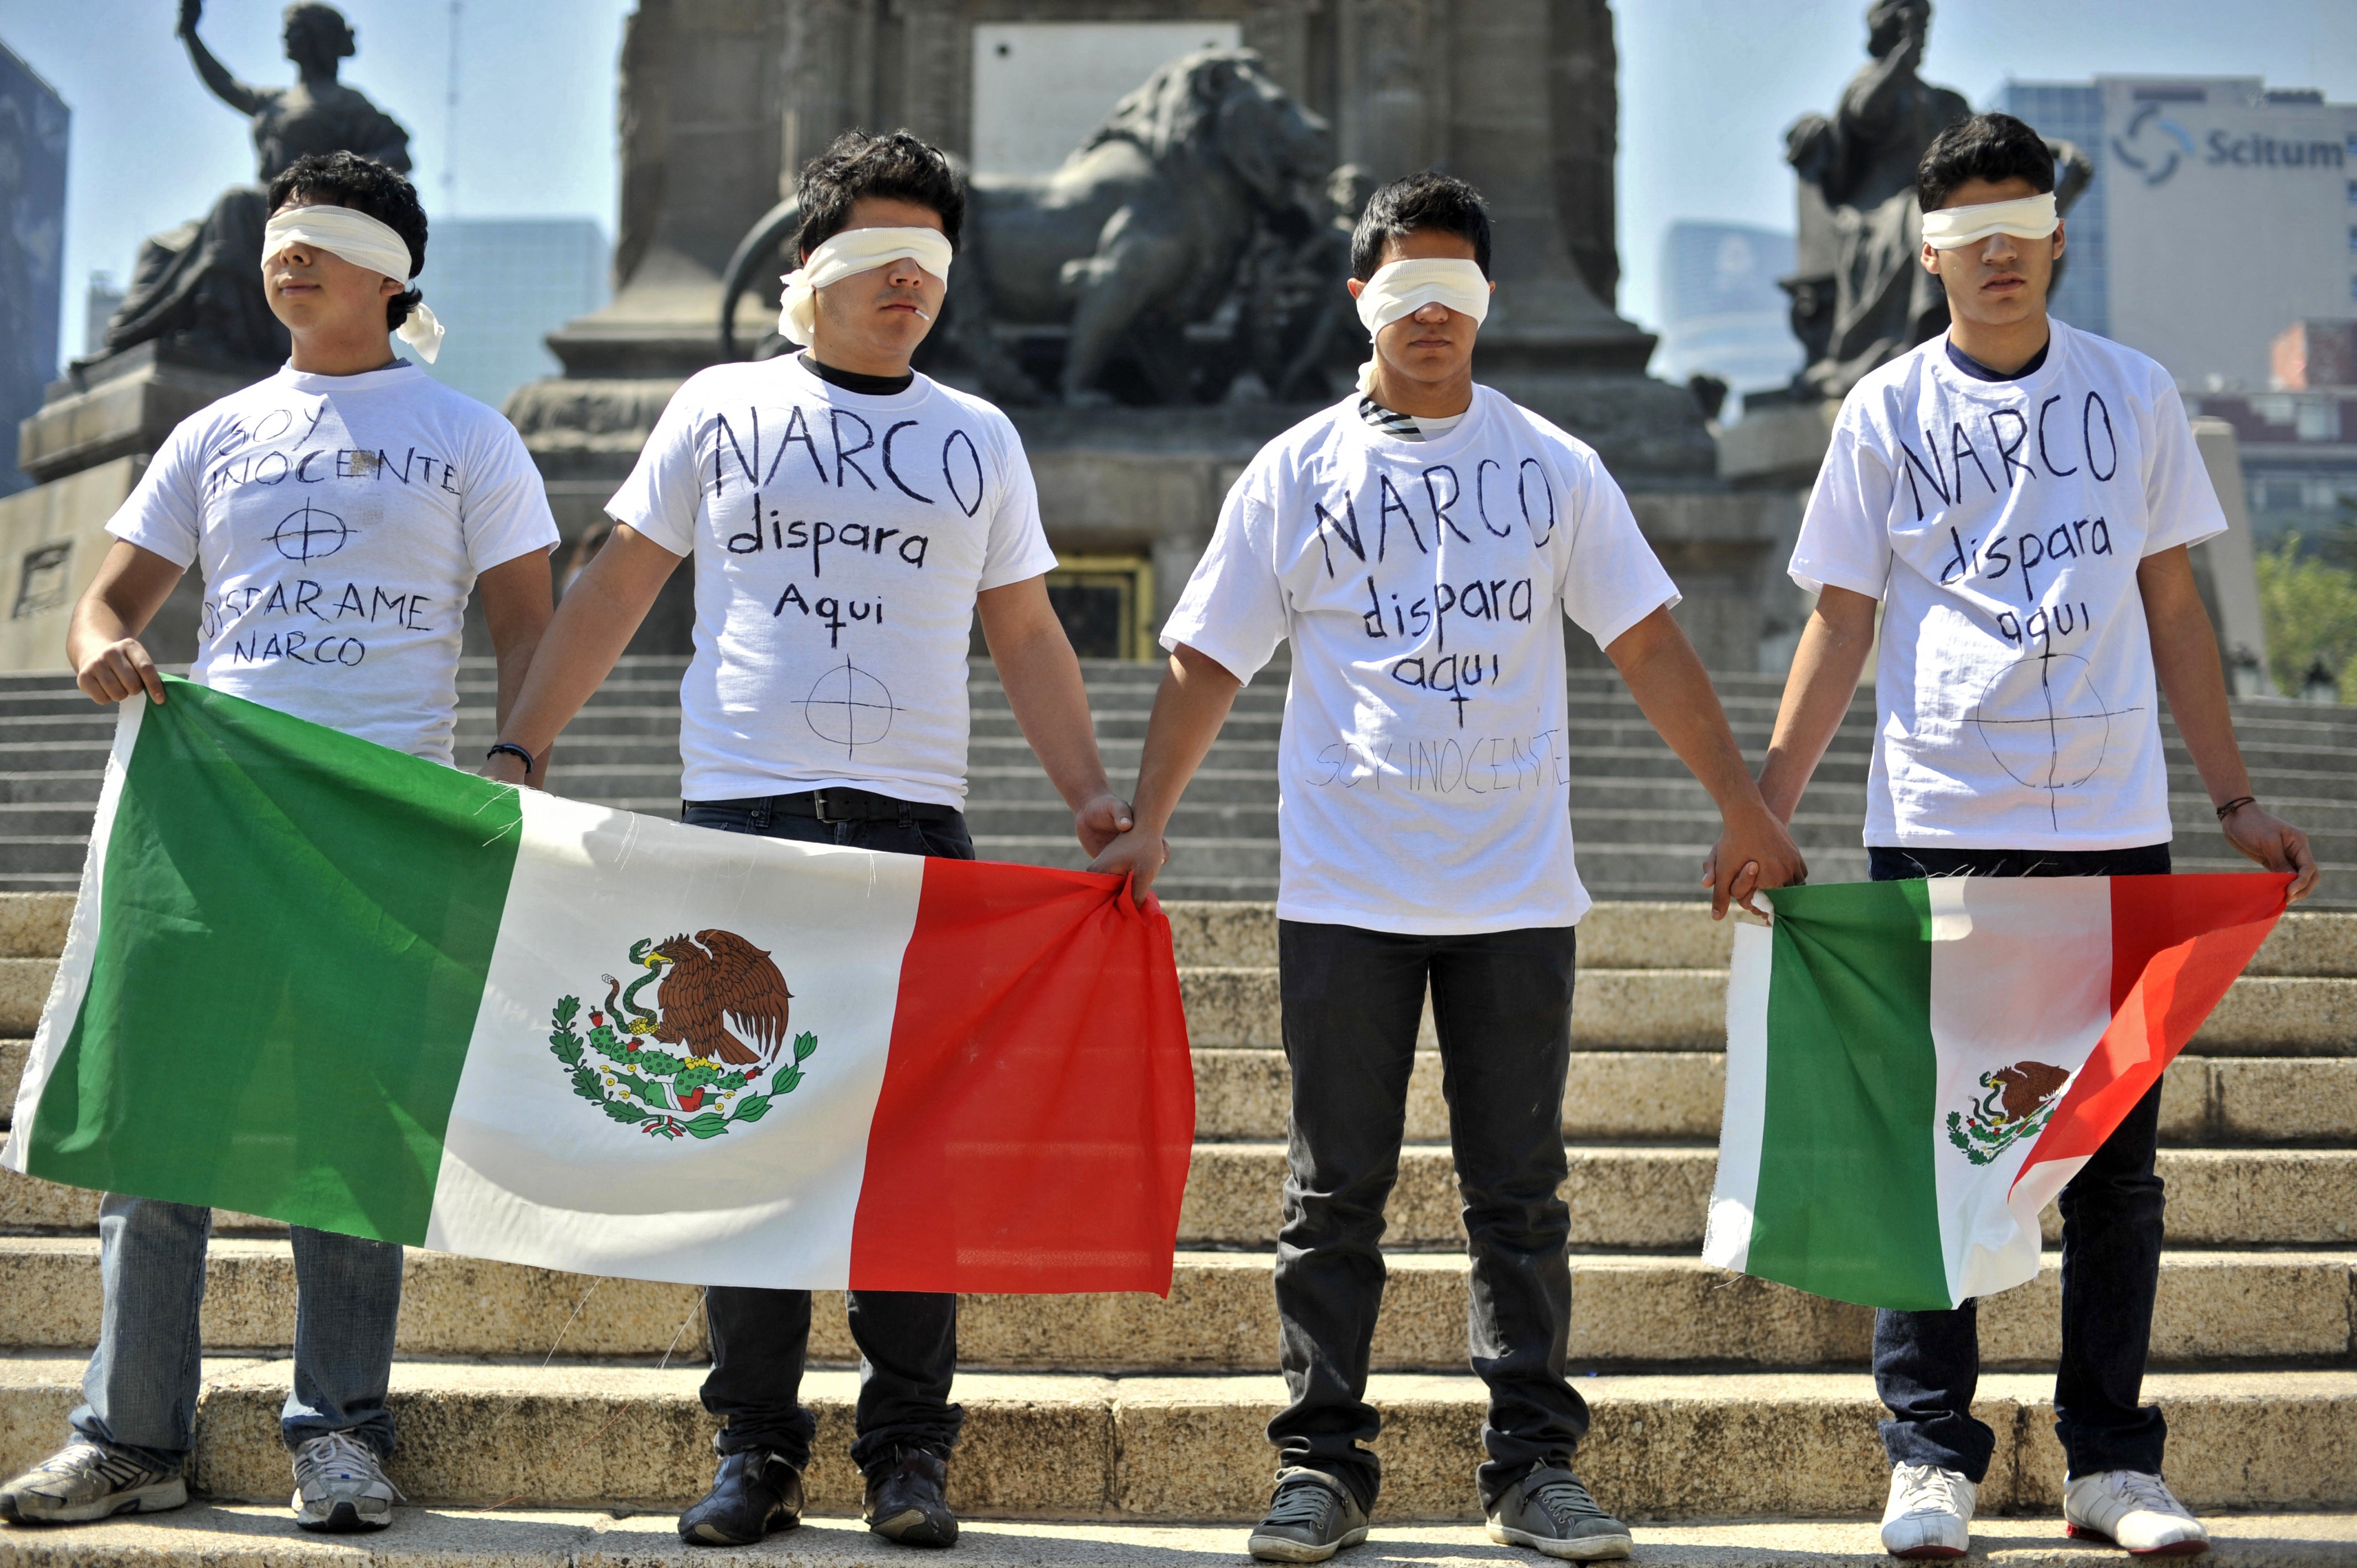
121	406
1776	443
87	446
52	539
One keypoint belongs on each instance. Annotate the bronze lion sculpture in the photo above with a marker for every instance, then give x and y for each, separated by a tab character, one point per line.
1139	234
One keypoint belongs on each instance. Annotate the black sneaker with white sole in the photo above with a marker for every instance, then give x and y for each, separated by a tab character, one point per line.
85	1481
1550	1511
1312	1517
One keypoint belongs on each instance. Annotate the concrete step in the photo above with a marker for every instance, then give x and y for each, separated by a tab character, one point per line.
1611	1094
1244	1095
1686	1009
1646	1195
1629	1312
1654	1196
1193	1447
440	1537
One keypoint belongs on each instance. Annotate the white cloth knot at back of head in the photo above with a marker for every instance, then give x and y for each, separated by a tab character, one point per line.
364	242
852	252
1402	288
1952	228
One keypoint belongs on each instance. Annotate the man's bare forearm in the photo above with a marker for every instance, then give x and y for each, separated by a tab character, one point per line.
1826	670
1666	675
1051	703
2185	660
1189	709
600	615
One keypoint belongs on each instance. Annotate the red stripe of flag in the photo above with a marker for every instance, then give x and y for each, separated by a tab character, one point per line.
2178	943
1038	1105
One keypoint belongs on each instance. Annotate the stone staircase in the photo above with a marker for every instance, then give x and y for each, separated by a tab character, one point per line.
568	1404
1643	824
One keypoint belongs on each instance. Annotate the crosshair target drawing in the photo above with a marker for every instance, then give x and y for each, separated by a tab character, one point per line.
308	534
2046	723
849	707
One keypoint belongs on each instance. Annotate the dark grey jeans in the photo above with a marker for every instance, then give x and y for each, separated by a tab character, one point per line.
1502	1005
906	1340
1927	1364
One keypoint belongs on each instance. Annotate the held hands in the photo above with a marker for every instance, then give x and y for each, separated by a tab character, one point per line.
2274	844
1754	853
1139	854
118	670
1101	818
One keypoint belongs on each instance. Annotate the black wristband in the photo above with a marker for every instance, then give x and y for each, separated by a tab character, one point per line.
2237	804
512	749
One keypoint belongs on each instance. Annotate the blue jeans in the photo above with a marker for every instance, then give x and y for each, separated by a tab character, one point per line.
760	1339
140	1393
1502	1004
1927	1364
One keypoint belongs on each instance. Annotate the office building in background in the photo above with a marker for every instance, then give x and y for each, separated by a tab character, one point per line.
101	297
501	285
33	120
2272	173
1722	312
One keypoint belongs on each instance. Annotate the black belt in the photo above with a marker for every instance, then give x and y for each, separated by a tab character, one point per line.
838	805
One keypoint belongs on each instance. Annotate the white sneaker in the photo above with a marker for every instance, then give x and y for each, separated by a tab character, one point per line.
1930	1513
85	1481
340	1485
2133	1510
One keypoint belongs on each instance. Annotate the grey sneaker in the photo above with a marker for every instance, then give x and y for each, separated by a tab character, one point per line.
1310	1519
340	1485
84	1481
1549	1511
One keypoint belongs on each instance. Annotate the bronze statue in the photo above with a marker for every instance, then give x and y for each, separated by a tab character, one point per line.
198	287
1860	299
1138	236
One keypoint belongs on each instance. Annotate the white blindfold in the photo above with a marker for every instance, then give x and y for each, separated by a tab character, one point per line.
2032	218
365	243
1402	288
846	254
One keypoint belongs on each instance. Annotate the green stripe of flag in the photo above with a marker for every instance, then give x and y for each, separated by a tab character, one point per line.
308	1074
1848	1204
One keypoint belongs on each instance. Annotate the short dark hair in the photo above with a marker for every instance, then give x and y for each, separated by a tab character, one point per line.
1427	200
364	185
1994	148
896	165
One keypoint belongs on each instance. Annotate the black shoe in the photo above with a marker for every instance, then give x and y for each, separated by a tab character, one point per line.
905	1503
753	1493
1311	1517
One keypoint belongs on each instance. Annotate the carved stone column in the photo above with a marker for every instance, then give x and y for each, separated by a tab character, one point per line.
937	71
1502	137
830	75
1583	71
1279	29
1391	83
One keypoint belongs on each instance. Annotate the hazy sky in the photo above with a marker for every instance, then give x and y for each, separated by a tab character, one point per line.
1707	88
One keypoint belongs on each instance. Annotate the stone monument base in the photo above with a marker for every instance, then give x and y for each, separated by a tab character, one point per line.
123	405
52	539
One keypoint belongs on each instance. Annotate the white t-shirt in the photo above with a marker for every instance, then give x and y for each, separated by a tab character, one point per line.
1423	782
2003	522
839	542
341	521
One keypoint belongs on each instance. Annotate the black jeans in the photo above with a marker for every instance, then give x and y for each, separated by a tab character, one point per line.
1351	999
906	1340
1926	1364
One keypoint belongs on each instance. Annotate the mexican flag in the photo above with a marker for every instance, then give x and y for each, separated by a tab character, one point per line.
1914	1068
317	980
